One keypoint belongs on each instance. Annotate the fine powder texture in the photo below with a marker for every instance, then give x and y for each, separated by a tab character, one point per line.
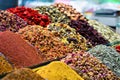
23	74
18	51
46	42
5	67
57	71
88	67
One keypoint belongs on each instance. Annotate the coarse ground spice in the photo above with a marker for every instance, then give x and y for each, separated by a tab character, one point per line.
18	51
46	42
5	66
109	56
69	36
23	74
11	22
88	67
57	71
31	16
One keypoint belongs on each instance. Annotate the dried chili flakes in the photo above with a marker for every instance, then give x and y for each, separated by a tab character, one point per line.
11	22
31	16
48	44
18	51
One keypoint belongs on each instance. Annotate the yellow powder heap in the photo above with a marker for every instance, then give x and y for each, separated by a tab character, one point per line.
57	71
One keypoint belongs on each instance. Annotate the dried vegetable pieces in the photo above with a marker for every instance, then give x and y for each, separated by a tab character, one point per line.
68	36
46	42
18	51
70	11
105	31
109	56
11	22
53	13
88	32
5	66
31	16
23	74
88	67
57	71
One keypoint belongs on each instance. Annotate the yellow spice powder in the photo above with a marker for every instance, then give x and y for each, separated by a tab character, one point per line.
57	71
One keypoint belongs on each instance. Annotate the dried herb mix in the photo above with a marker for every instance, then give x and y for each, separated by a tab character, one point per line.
18	51
31	16
88	67
88	32
53	13
108	56
11	22
5	66
68	36
46	42
23	74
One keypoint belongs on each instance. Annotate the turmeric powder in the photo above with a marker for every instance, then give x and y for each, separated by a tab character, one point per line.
57	71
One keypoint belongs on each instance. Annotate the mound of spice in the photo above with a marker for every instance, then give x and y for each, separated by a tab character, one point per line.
88	67
46	42
23	74
88	32
31	16
68	36
5	66
57	71
53	13
106	32
108	56
18	51
69	11
117	47
11	22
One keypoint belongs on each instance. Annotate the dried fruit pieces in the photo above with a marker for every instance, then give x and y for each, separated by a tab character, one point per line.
88	67
108	56
11	22
53	13
48	44
18	51
31	16
23	74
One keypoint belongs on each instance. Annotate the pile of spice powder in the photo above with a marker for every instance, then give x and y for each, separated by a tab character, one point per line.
5	66
68	36
109	56
18	51
53	13
106	32
11	22
46	42
88	67
69	11
117	47
57	71
88	32
31	16
23	74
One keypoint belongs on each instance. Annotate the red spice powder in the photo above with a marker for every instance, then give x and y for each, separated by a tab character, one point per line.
18	51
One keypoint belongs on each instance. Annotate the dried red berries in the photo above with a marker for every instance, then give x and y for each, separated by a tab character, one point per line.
31	16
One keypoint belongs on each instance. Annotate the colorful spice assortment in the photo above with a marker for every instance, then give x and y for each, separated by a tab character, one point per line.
5	67
69	11
68	36
53	13
18	51
88	32
57	71
23	74
11	22
47	43
109	34
108	56
88	67
31	16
